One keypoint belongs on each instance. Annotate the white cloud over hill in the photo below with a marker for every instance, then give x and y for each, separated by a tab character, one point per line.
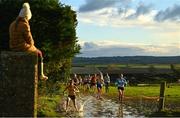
115	48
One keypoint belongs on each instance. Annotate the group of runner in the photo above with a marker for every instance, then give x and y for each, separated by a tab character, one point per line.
92	83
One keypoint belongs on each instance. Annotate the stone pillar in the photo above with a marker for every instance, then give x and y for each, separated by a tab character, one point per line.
18	84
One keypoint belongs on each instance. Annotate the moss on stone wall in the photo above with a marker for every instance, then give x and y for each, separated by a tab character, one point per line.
18	84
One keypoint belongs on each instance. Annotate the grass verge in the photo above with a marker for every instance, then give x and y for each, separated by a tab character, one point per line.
47	106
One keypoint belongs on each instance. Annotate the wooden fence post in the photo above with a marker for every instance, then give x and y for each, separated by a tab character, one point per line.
162	96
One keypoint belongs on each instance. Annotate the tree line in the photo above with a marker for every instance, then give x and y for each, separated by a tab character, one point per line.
127	60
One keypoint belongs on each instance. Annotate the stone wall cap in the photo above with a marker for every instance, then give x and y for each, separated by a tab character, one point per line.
17	53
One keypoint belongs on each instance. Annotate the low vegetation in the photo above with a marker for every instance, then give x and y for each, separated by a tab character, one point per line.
47	106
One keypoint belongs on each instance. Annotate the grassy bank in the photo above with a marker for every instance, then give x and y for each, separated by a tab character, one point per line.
49	98
47	106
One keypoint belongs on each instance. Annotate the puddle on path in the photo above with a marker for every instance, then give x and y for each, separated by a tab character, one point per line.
103	108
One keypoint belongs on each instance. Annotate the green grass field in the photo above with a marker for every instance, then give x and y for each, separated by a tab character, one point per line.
172	93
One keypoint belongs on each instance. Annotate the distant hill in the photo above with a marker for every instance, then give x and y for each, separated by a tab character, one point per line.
127	60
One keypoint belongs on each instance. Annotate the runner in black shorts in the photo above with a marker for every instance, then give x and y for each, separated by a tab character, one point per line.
121	88
121	83
72	89
73	97
100	82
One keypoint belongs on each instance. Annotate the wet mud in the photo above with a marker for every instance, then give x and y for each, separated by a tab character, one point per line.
94	107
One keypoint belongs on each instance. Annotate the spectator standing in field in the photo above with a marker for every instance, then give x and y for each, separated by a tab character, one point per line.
107	82
20	35
121	83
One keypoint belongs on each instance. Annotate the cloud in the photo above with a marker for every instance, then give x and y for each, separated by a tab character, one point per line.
89	46
118	13
122	6
110	48
171	13
93	5
112	18
142	9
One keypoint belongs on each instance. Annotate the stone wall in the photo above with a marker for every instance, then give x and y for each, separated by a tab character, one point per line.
18	84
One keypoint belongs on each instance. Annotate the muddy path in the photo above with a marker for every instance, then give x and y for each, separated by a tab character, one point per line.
101	108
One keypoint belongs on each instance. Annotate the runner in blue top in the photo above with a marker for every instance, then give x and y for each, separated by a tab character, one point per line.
121	83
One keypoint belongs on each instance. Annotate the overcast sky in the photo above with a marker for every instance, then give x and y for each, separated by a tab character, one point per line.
127	27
